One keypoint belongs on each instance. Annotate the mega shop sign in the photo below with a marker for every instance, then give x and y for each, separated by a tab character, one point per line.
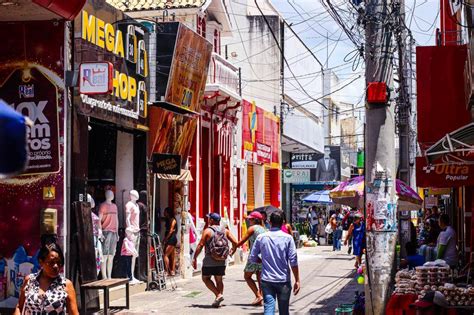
443	174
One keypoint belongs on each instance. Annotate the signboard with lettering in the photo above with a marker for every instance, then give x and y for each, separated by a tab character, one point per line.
100	38
166	164
296	176
182	62
324	167
32	93
443	174
96	78
264	153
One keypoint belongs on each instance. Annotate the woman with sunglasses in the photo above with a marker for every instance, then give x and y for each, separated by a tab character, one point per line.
47	292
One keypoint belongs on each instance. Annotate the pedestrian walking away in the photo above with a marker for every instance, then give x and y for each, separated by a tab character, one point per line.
256	228
215	240
47	292
170	241
314	221
357	233
278	254
336	224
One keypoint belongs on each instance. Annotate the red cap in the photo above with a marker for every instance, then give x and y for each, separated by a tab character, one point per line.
255	215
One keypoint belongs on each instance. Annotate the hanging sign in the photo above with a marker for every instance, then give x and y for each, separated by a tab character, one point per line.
264	153
166	164
96	78
296	176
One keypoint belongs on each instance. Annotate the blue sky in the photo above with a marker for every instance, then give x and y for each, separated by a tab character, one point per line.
331	45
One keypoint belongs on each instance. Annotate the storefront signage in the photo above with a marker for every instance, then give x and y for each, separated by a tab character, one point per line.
166	164
100	37
31	92
304	160
443	175
95	78
182	63
264	153
296	176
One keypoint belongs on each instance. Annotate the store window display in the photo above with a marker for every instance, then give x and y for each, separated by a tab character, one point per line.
132	212
108	215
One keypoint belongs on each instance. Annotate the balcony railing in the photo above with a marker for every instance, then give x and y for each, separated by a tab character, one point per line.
224	74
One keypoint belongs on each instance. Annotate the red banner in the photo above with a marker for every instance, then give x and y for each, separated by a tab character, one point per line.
32	77
261	135
443	175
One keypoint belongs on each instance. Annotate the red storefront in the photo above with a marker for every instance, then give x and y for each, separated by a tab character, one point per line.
446	134
261	150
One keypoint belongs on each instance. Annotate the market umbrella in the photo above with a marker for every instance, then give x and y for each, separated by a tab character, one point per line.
268	209
351	193
321	196
13	150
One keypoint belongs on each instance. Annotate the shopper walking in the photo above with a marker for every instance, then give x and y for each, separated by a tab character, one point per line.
314	221
255	218
336	224
47	292
357	233
215	241
278	254
170	241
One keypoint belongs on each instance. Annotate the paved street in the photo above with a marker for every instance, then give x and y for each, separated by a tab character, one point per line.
327	281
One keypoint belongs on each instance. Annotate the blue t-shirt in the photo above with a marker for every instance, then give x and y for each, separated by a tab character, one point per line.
415	261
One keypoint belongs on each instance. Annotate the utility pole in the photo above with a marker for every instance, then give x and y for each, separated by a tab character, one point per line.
380	173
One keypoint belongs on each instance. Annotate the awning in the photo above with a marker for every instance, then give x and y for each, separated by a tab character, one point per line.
184	176
455	147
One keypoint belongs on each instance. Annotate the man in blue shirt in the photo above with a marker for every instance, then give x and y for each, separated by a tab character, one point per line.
278	254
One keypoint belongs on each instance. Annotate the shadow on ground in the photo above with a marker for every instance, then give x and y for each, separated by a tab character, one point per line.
344	296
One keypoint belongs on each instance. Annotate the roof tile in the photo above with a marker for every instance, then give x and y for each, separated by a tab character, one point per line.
143	5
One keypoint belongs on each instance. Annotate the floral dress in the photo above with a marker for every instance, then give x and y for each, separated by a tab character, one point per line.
250	266
51	302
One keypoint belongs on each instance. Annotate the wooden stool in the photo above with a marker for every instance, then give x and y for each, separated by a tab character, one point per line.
105	285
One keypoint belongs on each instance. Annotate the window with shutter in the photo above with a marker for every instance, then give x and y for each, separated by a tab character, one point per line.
250	188
267	188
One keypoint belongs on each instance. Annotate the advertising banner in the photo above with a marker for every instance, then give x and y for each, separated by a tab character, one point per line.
324	168
99	37
182	63
296	176
443	175
32	81
260	135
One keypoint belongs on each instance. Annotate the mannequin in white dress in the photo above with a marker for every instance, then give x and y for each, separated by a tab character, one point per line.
132	212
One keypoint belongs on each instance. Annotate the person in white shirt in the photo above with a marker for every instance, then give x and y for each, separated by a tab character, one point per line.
447	241
313	218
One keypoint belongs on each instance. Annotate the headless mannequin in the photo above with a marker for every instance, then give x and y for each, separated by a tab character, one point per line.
132	220
97	228
109	225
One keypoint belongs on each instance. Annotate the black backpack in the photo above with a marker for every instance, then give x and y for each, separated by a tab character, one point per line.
219	245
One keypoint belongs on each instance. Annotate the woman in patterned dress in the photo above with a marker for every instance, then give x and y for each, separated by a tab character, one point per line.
47	292
255	218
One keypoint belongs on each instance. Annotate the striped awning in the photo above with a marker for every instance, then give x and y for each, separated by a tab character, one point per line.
184	176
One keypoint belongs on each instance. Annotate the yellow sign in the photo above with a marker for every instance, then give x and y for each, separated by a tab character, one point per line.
49	193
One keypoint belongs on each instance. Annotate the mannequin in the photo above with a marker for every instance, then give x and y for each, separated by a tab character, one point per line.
132	213
108	215
98	237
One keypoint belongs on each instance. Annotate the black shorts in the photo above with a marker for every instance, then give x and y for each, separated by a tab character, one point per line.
172	241
213	271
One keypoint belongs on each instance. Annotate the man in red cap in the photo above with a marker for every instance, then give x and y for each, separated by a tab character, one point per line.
256	228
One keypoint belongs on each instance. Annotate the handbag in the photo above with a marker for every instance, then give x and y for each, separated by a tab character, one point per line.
328	229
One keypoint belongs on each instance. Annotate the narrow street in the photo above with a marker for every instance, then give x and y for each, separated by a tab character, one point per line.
327	278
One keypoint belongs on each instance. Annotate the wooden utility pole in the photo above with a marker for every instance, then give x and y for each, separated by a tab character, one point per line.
380	172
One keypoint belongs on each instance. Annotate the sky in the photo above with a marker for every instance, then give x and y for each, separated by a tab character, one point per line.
334	49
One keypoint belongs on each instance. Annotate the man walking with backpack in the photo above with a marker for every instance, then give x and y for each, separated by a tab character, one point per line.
278	255
215	239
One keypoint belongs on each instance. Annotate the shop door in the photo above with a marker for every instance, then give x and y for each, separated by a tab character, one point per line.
250	188
268	200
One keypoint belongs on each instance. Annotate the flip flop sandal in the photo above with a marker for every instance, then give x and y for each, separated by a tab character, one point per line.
217	302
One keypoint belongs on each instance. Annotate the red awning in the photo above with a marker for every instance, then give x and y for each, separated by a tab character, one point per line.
67	9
